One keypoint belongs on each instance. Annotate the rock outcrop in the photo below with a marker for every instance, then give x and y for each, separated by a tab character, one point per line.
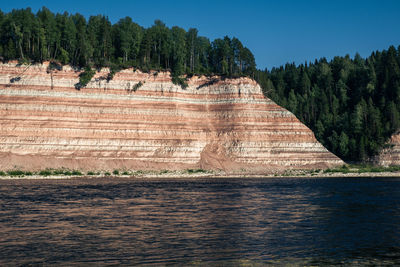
391	154
143	121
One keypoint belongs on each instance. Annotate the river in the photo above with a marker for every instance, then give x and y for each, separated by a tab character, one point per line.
301	221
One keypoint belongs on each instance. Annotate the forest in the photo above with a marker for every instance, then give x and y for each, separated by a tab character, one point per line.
351	104
96	42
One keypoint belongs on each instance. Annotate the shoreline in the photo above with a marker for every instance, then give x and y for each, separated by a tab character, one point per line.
206	176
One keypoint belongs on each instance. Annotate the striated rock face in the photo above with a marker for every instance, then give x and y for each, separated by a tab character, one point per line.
213	124
390	155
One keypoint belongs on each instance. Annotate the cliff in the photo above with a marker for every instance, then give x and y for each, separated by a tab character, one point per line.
391	154
143	121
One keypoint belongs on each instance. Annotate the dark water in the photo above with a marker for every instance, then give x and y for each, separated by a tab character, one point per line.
202	222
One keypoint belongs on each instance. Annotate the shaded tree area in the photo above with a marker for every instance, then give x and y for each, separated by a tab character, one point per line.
71	39
352	105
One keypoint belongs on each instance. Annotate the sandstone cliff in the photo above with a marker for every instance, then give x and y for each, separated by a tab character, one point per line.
212	124
390	155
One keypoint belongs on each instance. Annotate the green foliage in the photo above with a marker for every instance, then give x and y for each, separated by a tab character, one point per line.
71	39
180	81
343	169
63	56
137	86
2	173
191	171
352	105
53	65
343	144
90	173
116	172
48	172
15	173
59	171
107	173
363	168
45	172
76	172
85	77
114	68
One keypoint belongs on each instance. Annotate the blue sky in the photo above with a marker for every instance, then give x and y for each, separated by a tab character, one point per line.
276	32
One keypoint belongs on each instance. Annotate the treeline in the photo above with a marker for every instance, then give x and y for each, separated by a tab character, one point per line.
352	105
70	39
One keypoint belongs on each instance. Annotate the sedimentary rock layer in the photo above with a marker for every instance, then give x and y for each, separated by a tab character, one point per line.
143	121
391	154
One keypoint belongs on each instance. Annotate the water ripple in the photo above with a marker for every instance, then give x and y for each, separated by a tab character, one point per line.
201	222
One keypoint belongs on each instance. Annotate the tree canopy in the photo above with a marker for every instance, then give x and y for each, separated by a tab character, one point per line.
96	42
352	105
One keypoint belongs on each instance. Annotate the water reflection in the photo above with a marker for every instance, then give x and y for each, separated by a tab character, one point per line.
226	221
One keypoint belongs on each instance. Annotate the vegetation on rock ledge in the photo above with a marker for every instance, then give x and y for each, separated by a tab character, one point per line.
85	77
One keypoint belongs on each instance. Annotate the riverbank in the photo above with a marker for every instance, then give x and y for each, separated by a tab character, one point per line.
205	175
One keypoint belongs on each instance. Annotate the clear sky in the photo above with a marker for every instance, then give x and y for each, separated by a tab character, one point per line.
276	32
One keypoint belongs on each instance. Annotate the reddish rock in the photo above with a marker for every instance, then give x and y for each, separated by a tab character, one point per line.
391	154
213	124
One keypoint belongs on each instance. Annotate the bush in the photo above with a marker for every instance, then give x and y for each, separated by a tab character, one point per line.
15	79
179	81
137	86
114	68
85	77
343	169
54	66
107	174
76	172
15	173
394	168
196	171
90	173
125	173
110	75
45	173
2	173
23	61
377	169
59	172
115	172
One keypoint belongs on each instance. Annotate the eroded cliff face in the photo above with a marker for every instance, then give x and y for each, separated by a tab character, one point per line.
212	124
390	155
